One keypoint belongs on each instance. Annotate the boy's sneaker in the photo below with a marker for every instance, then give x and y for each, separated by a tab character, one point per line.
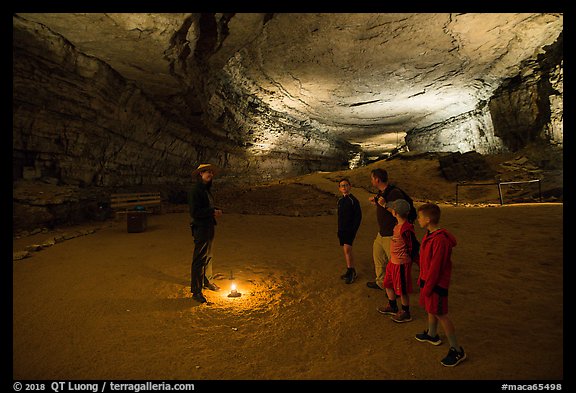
351	276
424	337
386	310
454	357
402	316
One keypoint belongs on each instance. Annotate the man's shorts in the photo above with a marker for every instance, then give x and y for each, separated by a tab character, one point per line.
399	278
346	237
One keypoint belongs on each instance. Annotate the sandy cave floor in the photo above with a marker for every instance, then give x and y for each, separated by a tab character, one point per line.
116	305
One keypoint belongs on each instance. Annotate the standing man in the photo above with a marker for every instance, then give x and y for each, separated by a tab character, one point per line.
203	216
386	223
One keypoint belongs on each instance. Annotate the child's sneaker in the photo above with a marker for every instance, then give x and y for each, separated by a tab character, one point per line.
386	310
454	357
402	316
424	337
351	276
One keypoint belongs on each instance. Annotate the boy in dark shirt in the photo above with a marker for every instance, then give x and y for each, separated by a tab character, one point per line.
349	218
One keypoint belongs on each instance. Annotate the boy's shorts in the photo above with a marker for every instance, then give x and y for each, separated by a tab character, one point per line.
436	304
346	237
399	278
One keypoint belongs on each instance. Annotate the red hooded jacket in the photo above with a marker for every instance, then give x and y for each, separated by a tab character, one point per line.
435	260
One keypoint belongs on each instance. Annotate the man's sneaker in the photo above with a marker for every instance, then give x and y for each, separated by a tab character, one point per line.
372	284
454	357
211	286
424	337
386	310
402	316
351	276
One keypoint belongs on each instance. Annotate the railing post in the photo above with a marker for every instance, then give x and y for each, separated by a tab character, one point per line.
500	194
540	190
457	194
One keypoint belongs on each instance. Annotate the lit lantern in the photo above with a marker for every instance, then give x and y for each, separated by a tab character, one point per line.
234	292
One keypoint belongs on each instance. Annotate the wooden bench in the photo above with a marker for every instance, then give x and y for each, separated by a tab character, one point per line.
122	203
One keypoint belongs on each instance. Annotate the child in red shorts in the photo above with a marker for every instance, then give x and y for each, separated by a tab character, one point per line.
398	277
434	280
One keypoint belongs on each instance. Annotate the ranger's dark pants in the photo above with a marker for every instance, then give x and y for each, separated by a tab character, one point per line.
203	239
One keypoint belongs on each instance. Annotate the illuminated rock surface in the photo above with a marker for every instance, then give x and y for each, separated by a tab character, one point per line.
118	100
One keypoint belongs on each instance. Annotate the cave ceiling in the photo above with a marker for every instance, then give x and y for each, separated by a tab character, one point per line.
367	77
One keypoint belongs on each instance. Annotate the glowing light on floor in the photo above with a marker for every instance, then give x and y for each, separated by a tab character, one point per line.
234	292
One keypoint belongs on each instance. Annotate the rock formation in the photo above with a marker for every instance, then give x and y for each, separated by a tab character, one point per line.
137	100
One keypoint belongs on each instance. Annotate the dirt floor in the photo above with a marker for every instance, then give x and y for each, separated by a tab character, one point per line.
117	305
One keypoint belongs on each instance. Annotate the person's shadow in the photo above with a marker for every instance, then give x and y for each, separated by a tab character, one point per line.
149	272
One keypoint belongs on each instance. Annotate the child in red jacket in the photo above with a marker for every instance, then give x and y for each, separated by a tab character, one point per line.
434	280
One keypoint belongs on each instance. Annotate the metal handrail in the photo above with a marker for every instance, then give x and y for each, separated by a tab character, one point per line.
499	184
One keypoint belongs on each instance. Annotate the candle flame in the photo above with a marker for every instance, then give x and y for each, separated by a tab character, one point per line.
233	288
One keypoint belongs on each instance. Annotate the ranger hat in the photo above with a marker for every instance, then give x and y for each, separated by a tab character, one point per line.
205	167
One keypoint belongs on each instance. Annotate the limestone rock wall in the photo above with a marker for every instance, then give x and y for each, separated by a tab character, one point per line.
470	131
529	107
267	96
524	109
554	130
79	121
275	143
81	131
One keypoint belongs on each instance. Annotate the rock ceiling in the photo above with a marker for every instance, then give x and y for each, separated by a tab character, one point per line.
365	77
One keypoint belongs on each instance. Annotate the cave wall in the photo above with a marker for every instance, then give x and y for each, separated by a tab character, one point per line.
81	131
77	120
469	131
554	129
276	143
529	107
526	108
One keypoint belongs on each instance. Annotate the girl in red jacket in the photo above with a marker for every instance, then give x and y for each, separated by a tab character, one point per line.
434	280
